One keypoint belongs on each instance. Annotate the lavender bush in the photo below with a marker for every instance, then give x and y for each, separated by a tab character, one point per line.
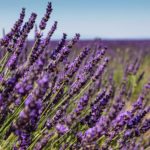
70	96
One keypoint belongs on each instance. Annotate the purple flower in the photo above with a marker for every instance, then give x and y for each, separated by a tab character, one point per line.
145	126
12	60
62	129
59	47
46	17
137	118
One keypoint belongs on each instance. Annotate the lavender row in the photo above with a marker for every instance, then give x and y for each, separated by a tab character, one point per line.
70	96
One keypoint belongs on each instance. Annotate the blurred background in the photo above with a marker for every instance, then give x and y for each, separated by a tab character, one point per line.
106	19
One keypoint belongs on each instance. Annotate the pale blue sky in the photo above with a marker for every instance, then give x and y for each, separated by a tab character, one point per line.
90	18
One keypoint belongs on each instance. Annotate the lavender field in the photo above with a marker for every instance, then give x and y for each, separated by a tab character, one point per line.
72	94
